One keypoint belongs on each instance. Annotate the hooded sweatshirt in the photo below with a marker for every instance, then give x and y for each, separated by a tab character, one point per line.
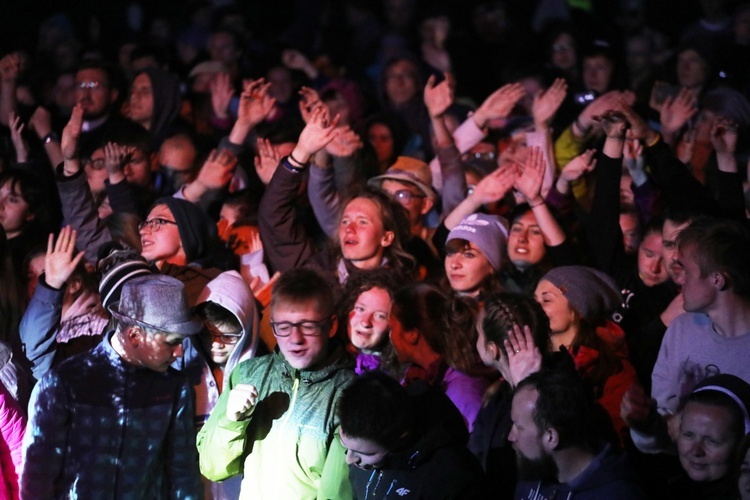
230	291
435	463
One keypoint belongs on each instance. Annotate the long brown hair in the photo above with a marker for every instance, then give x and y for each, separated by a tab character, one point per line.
446	325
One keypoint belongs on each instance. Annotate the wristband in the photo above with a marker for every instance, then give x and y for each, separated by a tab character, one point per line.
541	202
295	160
288	165
52	136
654	142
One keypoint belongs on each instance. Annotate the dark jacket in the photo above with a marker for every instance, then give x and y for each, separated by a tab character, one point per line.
607	477
435	463
489	443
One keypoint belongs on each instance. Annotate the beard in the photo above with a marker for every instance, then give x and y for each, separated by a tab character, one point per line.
542	469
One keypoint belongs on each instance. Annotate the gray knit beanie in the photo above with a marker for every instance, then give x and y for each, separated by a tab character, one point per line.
487	232
592	293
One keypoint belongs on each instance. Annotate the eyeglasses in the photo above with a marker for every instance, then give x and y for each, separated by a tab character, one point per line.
154	224
97	164
307	328
89	85
405	196
225	338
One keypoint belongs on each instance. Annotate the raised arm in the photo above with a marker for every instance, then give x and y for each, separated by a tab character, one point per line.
285	240
529	184
77	202
10	67
41	321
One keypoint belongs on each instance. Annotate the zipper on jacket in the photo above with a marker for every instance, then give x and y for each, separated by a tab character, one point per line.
295	389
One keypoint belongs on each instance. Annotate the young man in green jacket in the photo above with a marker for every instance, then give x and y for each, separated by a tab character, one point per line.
277	423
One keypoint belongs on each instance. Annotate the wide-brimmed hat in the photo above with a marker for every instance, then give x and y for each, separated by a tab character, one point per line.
157	302
410	170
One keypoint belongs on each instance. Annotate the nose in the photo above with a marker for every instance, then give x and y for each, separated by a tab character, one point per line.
655	266
512	434
454	262
697	449
296	336
522	236
351	458
179	351
217	342
366	319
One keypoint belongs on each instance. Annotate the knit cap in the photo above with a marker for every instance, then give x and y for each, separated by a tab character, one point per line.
197	231
115	269
732	386
487	232
590	292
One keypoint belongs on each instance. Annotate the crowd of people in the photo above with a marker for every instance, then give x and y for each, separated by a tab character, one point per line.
397	249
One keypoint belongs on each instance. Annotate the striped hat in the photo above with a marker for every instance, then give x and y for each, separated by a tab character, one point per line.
117	268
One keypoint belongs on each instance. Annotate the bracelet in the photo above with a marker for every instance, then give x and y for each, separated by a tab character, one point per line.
291	168
654	142
536	205
295	160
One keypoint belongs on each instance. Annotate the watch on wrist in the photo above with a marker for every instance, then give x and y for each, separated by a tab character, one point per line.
52	136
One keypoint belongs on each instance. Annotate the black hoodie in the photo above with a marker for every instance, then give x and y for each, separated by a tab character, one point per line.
434	463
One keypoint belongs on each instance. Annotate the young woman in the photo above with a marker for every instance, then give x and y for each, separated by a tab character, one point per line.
370	229
473	255
512	338
366	306
433	336
27	212
578	301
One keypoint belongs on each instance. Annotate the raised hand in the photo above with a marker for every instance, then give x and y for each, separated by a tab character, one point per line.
221	94
546	103
724	135
255	102
241	402
639	129
676	111
19	143
294	59
266	160
524	357
59	262
578	166
116	156
611	100
496	184
529	182
439	97
613	123
345	144
71	134
217	170
499	104
319	131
